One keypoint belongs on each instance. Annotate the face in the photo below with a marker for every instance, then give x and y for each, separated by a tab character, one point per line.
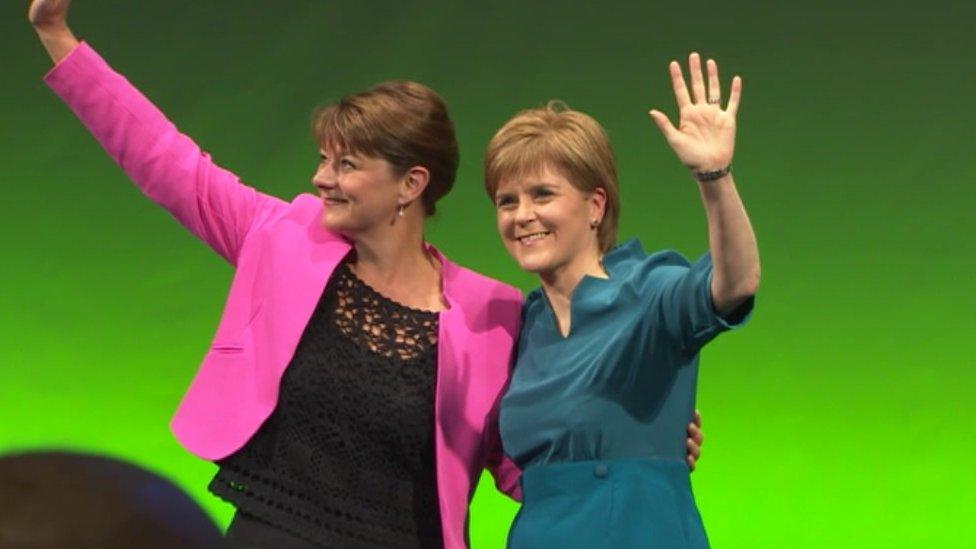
360	192
545	222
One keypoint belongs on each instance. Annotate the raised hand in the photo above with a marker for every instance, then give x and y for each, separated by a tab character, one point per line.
48	13
50	20
705	137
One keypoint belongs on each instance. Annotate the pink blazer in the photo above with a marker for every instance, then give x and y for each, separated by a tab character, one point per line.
283	258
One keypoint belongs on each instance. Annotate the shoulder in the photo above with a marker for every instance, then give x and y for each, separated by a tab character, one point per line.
484	301
307	205
302	215
632	266
630	260
472	288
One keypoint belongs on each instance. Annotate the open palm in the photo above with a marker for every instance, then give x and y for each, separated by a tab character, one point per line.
705	137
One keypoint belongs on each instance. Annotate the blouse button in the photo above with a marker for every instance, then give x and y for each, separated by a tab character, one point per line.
600	471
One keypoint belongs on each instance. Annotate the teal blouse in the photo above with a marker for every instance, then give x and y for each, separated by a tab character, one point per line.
622	384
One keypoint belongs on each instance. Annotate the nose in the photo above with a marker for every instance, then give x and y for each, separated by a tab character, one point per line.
525	212
324	177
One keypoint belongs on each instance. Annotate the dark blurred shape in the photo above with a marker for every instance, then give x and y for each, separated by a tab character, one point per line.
60	500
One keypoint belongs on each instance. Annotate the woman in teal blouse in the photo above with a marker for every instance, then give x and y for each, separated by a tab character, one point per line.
607	360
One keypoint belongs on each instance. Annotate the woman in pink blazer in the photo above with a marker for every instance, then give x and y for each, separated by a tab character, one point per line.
348	347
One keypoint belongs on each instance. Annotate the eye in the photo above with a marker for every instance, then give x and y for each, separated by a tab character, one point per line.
347	164
542	193
504	201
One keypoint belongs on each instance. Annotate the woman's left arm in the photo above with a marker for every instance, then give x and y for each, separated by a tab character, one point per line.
704	141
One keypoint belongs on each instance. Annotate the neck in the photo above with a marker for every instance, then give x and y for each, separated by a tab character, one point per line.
560	283
394	261
392	251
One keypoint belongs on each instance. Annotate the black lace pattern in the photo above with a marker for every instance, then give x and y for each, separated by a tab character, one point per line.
347	457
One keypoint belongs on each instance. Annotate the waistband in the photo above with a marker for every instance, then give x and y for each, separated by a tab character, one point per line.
576	477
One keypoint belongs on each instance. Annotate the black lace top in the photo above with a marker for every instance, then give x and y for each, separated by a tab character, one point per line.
347	457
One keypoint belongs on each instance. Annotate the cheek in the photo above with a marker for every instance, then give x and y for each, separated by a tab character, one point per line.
366	195
351	187
502	223
567	218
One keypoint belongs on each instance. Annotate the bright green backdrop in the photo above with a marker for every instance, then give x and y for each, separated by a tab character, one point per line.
843	415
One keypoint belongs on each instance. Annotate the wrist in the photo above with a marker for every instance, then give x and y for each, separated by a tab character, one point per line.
711	174
57	39
52	29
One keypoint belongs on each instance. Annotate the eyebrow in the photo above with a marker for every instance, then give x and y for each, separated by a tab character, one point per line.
542	185
530	187
339	154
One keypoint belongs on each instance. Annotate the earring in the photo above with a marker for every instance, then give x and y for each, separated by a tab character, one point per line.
594	223
400	210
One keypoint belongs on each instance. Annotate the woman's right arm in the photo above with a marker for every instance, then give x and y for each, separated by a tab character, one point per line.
165	164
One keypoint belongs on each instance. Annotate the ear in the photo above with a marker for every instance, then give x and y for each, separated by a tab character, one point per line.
413	184
598	204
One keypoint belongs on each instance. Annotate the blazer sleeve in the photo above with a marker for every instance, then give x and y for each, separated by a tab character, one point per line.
165	164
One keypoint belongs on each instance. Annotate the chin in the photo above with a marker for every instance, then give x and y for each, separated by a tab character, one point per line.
334	223
532	263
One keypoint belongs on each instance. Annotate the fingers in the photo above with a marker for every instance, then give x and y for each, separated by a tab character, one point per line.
698	94
694	441
663	124
734	96
695	434
697	82
694	452
678	83
714	84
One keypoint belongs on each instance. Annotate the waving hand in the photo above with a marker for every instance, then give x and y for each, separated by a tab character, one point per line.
705	137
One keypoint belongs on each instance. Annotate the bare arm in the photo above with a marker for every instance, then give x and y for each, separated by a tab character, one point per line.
732	242
50	20
704	141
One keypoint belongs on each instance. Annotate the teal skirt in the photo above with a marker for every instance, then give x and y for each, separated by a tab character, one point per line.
621	503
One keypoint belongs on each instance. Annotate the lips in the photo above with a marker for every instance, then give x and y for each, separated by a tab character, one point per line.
531	238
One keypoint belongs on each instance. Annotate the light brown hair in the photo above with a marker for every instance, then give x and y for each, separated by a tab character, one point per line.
561	139
403	122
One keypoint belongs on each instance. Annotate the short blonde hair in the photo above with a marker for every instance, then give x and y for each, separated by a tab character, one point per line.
561	139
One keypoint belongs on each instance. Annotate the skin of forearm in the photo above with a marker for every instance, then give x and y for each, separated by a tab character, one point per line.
732	242
58	40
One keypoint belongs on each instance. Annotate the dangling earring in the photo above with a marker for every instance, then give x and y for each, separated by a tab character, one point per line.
400	209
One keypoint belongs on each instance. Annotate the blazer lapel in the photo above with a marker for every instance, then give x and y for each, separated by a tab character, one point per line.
306	261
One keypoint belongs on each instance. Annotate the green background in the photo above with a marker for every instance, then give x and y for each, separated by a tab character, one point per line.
841	417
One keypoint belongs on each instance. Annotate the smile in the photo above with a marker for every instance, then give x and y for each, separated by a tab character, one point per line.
534	237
